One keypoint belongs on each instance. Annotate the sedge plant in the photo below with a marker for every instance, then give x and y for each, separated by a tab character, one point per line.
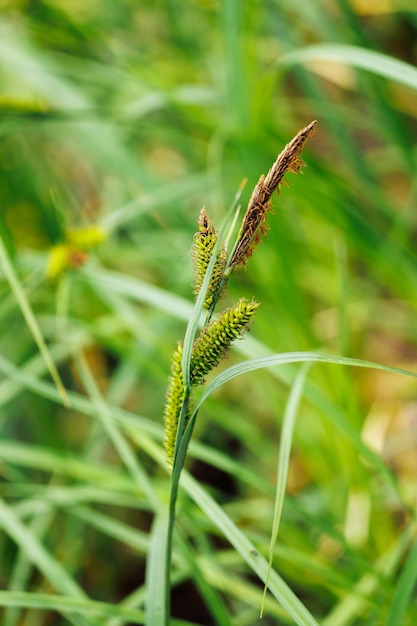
206	342
198	354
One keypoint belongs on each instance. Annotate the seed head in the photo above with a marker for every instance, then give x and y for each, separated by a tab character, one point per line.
215	339
254	224
173	404
203	247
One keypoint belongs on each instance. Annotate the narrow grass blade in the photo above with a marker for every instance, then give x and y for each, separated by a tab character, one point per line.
135	539
23	378
50	567
292	357
31	320
35	368
61	604
157	576
165	195
404	589
256	562
23	567
28	455
100	279
116	437
361	58
284	462
318	399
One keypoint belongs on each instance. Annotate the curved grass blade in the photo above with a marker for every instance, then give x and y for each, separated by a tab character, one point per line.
292	357
361	58
317	398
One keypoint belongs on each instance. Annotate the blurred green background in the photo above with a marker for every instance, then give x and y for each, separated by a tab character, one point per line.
124	119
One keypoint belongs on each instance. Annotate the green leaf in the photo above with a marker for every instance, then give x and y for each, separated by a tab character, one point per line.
157	572
31	321
284	462
292	357
33	549
404	589
361	58
67	606
117	438
246	549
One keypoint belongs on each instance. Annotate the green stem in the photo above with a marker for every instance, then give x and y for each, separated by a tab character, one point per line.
181	446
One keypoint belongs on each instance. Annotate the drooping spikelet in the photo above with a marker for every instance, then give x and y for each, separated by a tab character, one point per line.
215	339
173	404
254	224
203	246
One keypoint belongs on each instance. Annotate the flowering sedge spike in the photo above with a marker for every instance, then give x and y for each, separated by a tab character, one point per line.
254	224
203	246
173	404
215	339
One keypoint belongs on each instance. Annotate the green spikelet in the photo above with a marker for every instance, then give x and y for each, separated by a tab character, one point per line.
203	245
173	404
215	339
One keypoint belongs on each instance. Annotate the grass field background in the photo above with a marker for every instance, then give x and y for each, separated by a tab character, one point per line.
123	120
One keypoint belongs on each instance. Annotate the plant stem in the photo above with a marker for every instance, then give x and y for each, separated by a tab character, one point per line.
181	445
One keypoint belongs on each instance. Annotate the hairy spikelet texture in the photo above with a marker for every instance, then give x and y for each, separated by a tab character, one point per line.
173	404
254	224
203	246
215	339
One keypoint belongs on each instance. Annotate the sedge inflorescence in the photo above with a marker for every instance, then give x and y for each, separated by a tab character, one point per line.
215	339
173	404
204	243
209	349
217	335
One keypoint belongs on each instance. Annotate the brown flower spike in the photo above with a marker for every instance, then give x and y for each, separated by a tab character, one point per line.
254	222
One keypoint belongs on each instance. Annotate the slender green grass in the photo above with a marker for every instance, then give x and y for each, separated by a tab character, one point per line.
30	319
68	605
283	464
371	61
